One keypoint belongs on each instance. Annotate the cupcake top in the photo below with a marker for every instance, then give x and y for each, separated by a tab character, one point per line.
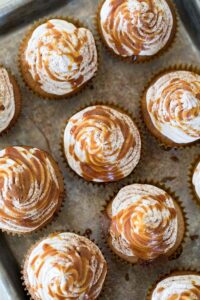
136	27
196	179
7	100
30	190
65	266
102	144
178	287
173	104
144	222
60	56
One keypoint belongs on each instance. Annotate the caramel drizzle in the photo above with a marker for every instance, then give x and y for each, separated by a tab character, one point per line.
193	293
140	31
33	194
146	240
99	151
76	267
171	108
62	43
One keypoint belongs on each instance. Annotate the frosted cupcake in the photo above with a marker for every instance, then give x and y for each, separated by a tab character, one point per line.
57	58
31	189
10	100
177	285
101	144
137	30
142	223
171	108
64	266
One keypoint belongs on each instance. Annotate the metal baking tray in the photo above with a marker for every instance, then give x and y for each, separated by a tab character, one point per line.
40	125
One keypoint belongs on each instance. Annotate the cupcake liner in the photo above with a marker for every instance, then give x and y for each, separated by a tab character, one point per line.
55	215
170	273
167	144
46	96
24	280
136	59
190	175
93	183
105	235
18	101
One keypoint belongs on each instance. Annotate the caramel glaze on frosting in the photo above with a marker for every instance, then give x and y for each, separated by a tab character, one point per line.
61	57
178	287
144	222
65	266
134	27
173	104
7	100
30	191
102	144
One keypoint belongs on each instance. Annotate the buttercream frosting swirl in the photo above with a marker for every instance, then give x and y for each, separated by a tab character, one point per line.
102	144
61	57
135	27
7	100
173	104
65	266
196	179
144	221
179	287
30	192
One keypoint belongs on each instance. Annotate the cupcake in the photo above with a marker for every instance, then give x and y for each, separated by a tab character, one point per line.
177	285
31	189
137	30
57	58
10	100
196	180
64	266
142	223
101	144
171	107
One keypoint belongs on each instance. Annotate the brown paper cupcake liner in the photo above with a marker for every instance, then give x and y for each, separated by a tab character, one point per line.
81	88
169	144
190	175
24	280
137	59
73	174
170	273
18	101
105	235
53	218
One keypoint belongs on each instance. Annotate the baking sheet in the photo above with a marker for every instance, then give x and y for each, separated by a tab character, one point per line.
40	125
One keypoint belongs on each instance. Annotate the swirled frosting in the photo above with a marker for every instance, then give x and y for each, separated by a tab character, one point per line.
65	266
7	100
179	287
61	57
29	189
196	179
102	144
135	27
144	221
173	104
